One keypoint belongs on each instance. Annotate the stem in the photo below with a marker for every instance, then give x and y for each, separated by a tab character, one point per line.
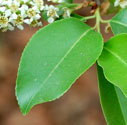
88	18
98	18
104	21
97	15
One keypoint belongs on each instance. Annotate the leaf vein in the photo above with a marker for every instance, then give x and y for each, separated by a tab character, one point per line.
114	21
120	104
117	56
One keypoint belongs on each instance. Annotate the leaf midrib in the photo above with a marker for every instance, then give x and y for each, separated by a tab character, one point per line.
62	59
116	55
123	24
120	105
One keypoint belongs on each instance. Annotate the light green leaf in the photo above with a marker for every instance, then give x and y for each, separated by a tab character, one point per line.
113	101
113	60
53	59
119	22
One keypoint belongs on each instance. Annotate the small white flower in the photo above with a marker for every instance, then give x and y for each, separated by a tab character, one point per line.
39	4
2	9
3	21
20	27
23	9
14	16
51	20
51	13
10	27
121	3
7	13
67	12
27	21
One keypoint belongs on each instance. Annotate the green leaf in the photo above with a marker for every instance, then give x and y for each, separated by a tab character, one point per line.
113	60
113	101
68	5
69	1
53	59
77	16
119	22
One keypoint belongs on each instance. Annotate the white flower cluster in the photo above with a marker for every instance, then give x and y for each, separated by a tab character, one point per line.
15	13
121	3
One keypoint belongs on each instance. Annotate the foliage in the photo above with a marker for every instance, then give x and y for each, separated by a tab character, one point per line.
72	53
113	101
61	52
113	55
119	22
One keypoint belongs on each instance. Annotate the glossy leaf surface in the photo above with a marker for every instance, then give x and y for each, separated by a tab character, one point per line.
53	59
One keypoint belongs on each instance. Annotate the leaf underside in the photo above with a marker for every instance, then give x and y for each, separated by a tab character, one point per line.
113	101
53	59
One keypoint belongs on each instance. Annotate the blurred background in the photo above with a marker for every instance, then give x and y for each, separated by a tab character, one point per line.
79	106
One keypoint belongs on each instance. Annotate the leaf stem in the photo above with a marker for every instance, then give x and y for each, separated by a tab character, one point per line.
98	18
104	21
88	18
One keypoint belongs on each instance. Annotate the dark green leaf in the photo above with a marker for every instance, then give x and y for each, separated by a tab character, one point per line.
69	1
119	22
113	101
54	58
112	1
113	60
